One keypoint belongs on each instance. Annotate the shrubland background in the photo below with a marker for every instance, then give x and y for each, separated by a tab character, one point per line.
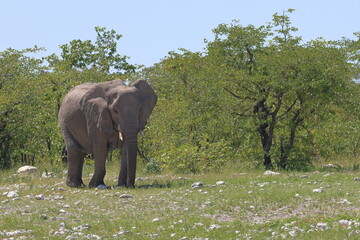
255	97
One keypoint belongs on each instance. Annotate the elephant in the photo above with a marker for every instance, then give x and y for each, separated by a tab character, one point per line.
96	118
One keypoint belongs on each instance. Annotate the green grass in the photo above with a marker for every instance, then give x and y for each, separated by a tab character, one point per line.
248	205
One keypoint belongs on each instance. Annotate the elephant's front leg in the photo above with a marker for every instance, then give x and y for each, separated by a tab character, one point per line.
123	168
100	155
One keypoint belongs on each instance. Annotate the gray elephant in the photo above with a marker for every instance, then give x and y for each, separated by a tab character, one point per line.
100	117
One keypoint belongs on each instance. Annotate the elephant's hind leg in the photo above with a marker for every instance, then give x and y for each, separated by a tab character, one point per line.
75	166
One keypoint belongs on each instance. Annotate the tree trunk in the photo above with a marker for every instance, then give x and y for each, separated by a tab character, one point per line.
286	148
265	129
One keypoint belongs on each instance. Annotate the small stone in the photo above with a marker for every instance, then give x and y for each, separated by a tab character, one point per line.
322	226
47	174
197	185
140	179
270	173
62	211
297	195
101	186
317	190
304	176
220	183
292	233
126	196
62	224
121	233
345	201
27	170
344	222
182	178
354	232
213	227
155	220
40	197
357	179
43	216
70	237
92	236
12	194
58	197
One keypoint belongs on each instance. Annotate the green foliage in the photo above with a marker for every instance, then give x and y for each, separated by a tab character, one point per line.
254	91
255	94
85	55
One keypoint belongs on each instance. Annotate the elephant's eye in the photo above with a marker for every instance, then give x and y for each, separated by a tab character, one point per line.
115	111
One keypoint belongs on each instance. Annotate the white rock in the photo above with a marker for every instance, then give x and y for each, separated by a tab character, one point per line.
26	169
40	197
317	190
322	226
213	227
12	194
70	237
344	222
220	183
58	197
155	220
47	174
126	196
197	185
345	201
101	186
292	233
270	173
92	236
142	179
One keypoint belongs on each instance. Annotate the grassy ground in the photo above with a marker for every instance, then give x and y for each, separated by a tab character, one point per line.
316	205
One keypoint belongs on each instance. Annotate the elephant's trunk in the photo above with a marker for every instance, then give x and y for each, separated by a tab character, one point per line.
130	142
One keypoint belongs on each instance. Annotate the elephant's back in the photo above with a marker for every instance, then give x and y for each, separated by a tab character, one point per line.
70	105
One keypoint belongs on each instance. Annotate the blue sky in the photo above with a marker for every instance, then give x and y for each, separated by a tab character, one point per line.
151	29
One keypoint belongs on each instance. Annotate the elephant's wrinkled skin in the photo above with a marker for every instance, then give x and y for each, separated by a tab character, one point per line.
100	117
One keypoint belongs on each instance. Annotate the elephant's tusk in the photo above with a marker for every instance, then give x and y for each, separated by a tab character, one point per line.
142	133
121	137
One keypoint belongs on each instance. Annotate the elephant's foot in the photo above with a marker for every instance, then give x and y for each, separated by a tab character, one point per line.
124	185
94	184
78	183
120	186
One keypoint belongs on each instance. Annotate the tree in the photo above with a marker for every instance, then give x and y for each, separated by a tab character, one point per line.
85	55
18	105
187	131
278	82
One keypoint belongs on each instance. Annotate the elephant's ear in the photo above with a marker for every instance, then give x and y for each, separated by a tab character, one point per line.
148	101
96	110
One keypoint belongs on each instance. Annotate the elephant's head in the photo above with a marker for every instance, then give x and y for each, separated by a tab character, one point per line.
130	107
